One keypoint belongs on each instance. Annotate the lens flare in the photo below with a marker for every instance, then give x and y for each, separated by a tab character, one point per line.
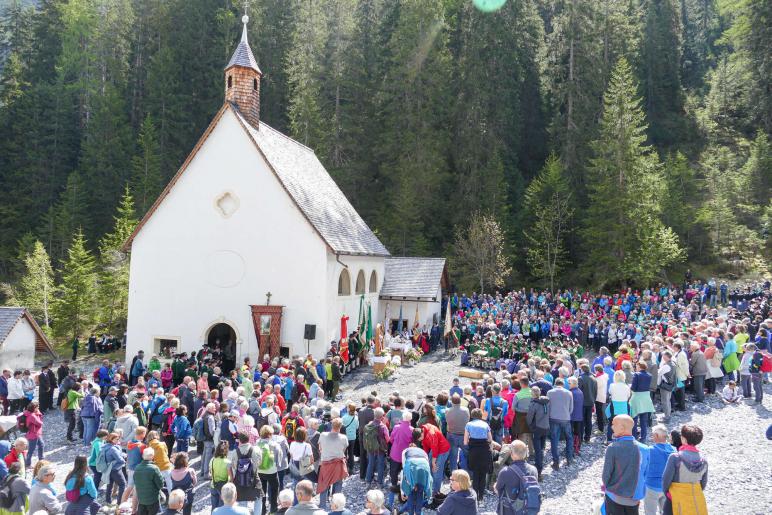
489	6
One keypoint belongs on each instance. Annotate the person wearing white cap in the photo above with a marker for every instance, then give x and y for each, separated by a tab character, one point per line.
229	429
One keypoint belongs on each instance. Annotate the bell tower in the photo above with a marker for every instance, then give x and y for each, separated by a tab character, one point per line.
242	80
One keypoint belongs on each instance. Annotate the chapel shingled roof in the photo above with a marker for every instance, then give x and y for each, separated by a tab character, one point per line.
316	194
243	55
9	317
412	277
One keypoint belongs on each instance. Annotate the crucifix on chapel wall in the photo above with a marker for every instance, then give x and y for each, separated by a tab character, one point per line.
268	298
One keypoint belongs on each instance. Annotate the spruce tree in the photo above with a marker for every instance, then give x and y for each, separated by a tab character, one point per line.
549	208
623	226
75	307
36	286
271	30
68	215
575	55
660	73
415	143
306	74
146	178
498	108
114	262
682	199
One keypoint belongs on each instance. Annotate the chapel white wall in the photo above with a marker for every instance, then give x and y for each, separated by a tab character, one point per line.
349	304
18	350
427	311
192	268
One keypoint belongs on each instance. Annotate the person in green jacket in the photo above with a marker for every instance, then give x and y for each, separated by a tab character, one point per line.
73	407
96	448
148	483
155	364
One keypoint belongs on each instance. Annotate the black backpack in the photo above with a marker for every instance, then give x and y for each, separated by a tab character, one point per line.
6	496
245	470
21	423
254	409
496	421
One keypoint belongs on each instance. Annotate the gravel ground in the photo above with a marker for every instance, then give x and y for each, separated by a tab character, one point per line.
739	455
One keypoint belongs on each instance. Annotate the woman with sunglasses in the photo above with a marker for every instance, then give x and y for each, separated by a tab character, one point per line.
463	499
42	497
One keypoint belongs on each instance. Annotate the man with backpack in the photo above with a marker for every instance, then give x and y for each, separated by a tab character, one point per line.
517	485
267	470
365	416
156	408
14	490
376	441
245	464
496	408
206	431
291	422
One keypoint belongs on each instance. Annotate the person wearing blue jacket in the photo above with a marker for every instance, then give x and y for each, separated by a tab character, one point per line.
5	448
496	420
115	462
624	468
654	501
577	413
79	478
416	485
181	429
462	500
105	377
91	410
156	409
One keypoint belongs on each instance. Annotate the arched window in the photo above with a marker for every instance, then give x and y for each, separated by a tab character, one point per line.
230	81
360	288
344	283
373	282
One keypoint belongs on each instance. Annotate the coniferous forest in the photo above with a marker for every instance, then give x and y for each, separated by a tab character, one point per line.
614	142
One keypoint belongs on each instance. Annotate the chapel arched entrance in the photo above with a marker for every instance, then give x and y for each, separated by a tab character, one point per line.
222	336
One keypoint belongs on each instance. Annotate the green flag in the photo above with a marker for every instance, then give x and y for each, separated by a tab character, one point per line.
369	323
361	323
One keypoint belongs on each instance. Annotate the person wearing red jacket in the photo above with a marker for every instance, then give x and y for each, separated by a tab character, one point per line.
18	454
438	448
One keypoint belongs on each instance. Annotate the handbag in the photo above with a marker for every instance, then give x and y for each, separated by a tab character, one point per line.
306	464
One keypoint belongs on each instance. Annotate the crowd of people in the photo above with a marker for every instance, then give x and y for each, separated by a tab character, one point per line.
271	437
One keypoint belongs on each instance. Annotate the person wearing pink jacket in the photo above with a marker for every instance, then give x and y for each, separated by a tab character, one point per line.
34	431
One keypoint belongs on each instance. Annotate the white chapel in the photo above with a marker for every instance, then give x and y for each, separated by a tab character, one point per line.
253	247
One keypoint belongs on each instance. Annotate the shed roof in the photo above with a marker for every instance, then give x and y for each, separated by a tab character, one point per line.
10	316
412	277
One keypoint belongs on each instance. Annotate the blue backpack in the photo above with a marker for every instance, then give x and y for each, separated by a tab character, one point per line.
198	430
525	501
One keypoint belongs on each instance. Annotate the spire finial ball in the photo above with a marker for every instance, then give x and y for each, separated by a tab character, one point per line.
245	19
